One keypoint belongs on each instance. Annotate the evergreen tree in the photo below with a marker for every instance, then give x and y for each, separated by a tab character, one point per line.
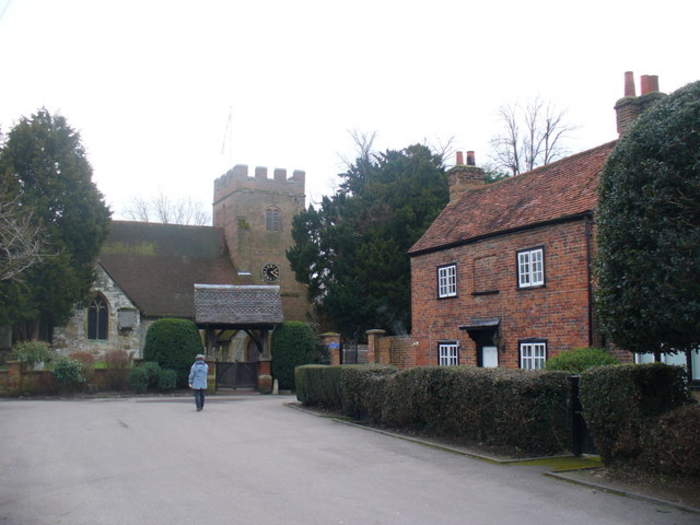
44	167
648	263
351	251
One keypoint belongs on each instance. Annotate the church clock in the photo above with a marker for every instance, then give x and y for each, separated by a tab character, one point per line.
271	272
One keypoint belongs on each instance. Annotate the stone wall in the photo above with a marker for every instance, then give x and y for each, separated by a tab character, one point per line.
74	337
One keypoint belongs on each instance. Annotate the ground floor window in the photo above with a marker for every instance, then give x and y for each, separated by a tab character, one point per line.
98	318
533	355
678	359
448	354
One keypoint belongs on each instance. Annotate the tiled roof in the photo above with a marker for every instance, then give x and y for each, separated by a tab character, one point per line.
237	305
565	188
157	265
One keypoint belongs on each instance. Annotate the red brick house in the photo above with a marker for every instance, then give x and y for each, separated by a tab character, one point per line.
503	275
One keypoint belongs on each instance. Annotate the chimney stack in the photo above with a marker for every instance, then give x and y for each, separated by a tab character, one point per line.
629	84
650	84
463	178
629	107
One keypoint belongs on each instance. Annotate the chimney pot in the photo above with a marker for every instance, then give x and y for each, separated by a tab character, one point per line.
471	161
460	158
629	84
650	84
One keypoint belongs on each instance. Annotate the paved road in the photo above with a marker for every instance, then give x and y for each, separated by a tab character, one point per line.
251	460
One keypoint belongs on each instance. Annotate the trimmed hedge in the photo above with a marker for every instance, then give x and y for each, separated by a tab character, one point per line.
362	389
138	380
318	385
621	402
293	344
579	359
167	379
152	373
173	343
671	445
525	411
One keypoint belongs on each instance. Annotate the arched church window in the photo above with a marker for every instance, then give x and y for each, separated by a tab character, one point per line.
273	220
98	318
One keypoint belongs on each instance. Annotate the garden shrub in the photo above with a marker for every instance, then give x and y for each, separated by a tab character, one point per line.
88	362
579	359
117	364
362	389
138	380
620	402
671	444
318	385
152	373
293	344
173	343
69	374
167	379
32	352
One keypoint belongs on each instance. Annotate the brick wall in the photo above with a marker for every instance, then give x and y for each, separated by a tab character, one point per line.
557	312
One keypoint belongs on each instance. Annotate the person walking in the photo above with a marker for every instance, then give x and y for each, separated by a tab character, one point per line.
198	380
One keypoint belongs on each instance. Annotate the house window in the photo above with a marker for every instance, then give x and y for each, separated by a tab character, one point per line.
447	281
448	354
531	268
533	355
677	359
273	220
98	318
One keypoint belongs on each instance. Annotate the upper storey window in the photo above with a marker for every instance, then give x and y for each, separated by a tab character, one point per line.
531	268
273	220
447	281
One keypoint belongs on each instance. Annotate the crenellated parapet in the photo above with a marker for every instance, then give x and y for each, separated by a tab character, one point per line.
237	179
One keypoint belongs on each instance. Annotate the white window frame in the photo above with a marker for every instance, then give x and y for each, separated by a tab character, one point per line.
447	281
448	353
674	360
531	268
533	355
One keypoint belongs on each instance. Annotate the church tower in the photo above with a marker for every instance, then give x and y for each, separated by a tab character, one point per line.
256	215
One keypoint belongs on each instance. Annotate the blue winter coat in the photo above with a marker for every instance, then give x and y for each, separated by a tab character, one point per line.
198	374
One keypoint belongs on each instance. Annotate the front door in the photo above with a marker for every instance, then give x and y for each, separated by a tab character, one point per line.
489	356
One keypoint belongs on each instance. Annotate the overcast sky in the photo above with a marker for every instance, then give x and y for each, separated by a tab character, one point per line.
150	84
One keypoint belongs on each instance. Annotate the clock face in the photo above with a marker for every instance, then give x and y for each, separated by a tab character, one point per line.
271	272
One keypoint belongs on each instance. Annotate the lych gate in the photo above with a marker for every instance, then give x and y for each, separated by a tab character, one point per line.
226	310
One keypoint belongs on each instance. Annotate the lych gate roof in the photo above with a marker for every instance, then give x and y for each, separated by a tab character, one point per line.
243	305
157	265
565	188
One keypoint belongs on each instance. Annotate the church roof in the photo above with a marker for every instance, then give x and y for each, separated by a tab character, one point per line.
227	305
157	265
563	189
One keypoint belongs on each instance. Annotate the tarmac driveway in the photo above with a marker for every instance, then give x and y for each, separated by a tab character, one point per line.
252	460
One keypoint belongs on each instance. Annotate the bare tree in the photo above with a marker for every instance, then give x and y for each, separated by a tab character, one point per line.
21	241
445	149
161	208
532	136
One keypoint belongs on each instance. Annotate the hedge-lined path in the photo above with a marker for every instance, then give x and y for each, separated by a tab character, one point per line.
250	459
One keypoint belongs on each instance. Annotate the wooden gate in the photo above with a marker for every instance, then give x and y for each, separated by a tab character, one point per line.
236	375
582	439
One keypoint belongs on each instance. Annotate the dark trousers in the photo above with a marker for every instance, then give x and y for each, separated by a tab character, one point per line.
199	397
